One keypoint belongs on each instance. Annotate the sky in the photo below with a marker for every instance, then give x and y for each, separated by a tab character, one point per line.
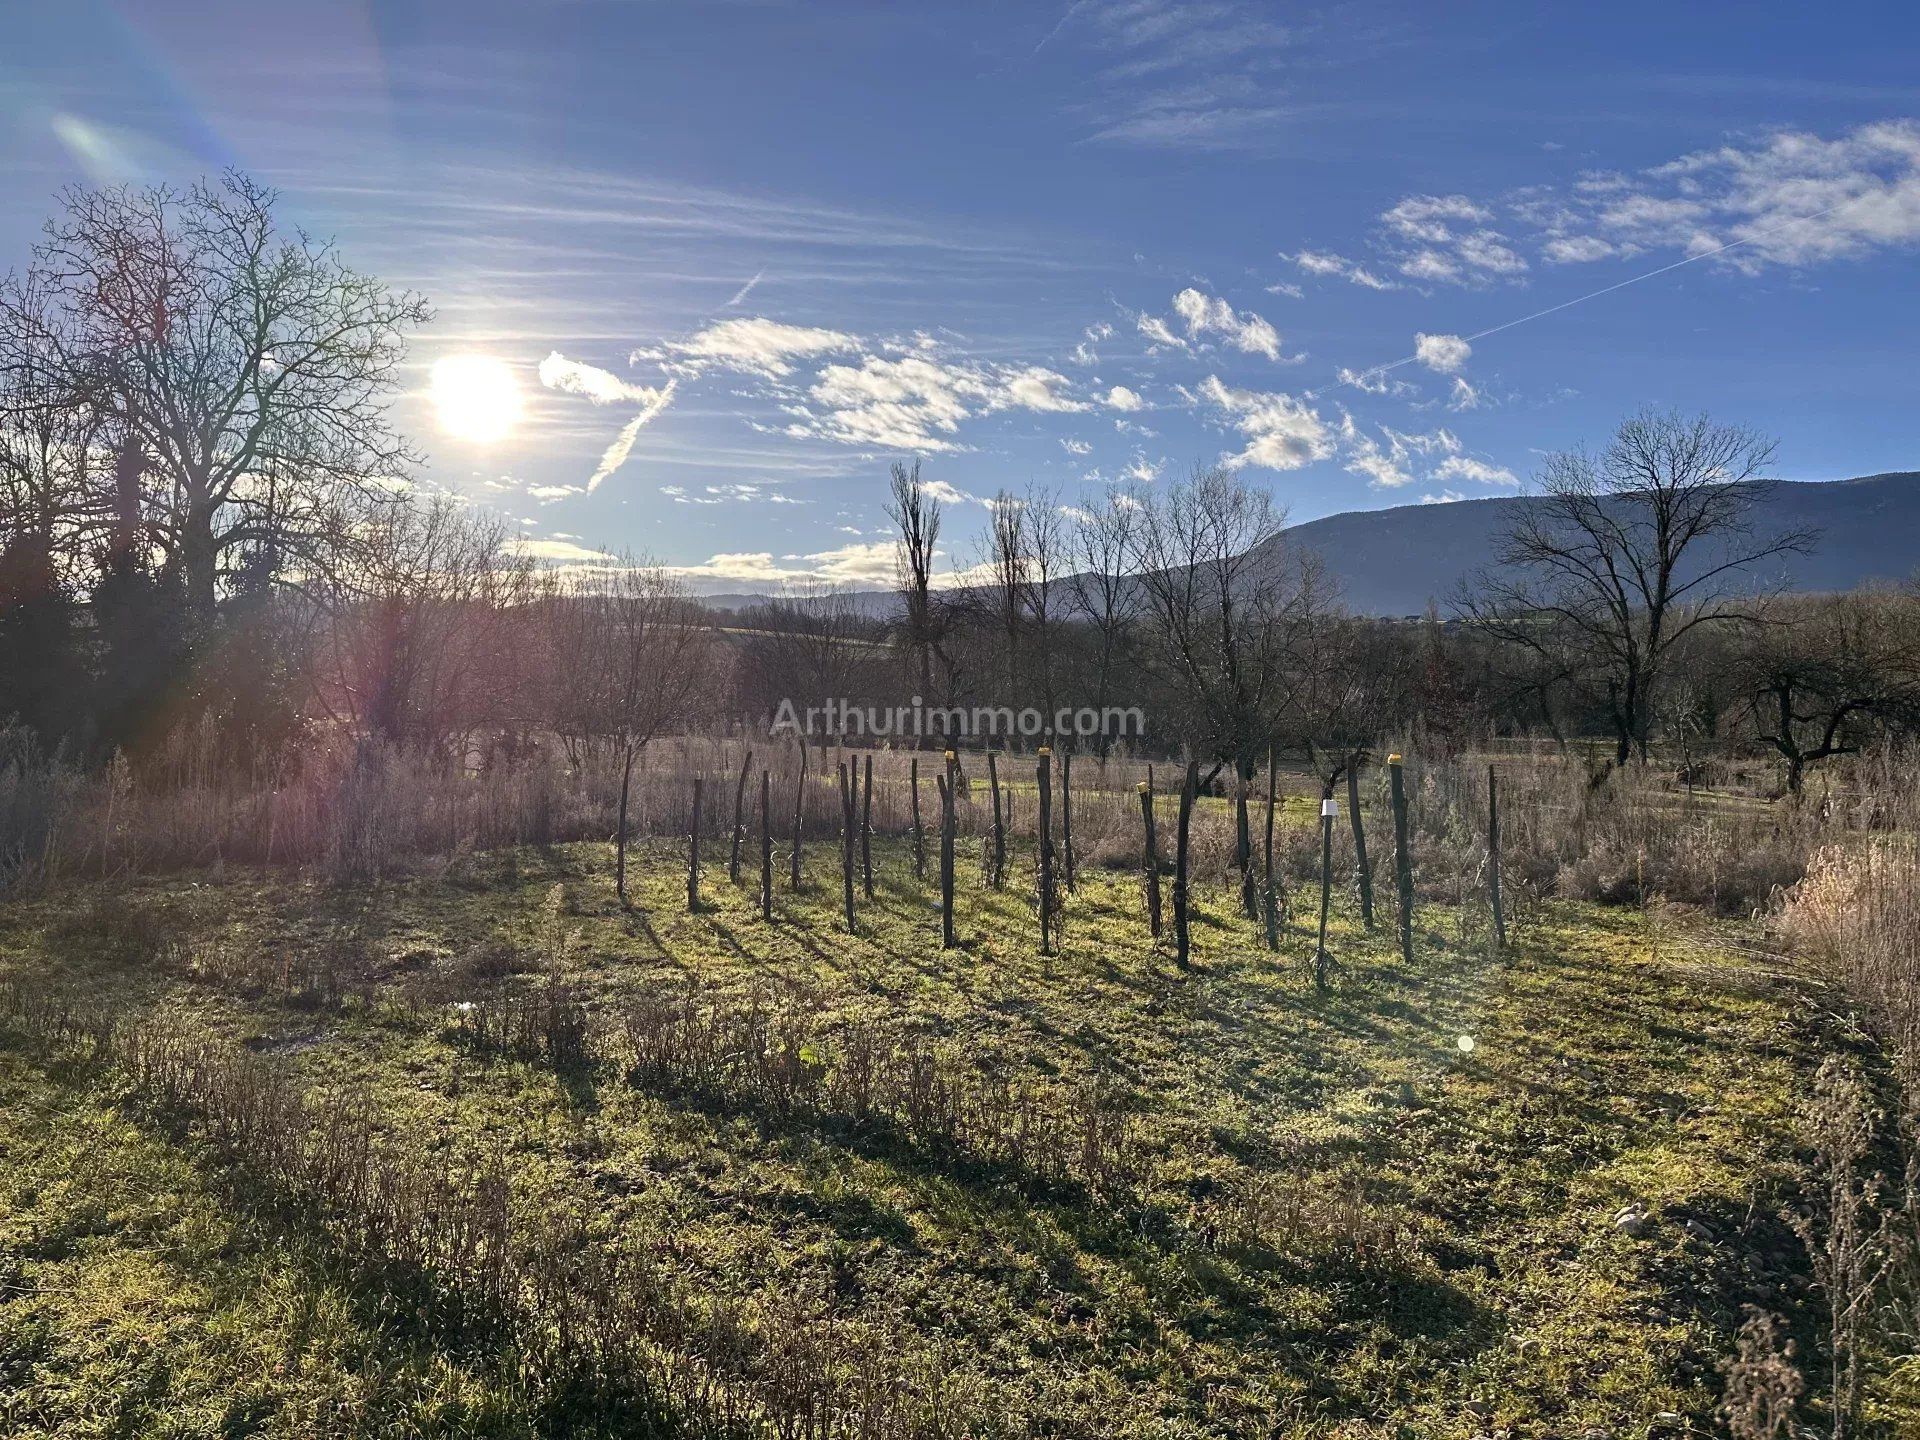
702	271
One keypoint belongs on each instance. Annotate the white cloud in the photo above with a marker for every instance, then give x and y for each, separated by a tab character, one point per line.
1577	249
602	387
751	343
1463	467
1447	239
1445	497
864	564
1283	433
945	493
1121	398
1463	396
547	494
1206	314
917	401
1790	198
1442	354
558	550
1076	447
1084	353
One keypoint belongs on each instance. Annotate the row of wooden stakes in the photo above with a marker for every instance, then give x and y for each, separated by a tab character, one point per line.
1259	901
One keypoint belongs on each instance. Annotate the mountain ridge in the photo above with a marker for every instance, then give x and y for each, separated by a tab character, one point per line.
1398	560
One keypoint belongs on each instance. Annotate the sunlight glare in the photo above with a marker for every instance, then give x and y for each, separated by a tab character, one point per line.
475	397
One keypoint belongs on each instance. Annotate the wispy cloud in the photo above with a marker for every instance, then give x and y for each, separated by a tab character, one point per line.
1187	74
1327	264
753	344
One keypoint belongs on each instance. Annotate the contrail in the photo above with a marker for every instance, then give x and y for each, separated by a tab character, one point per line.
1604	290
1059	25
745	290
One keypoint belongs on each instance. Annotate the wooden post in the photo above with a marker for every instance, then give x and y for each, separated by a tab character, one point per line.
693	849
766	845
1493	860
1359	841
739	819
947	800
1327	807
1402	858
1271	900
866	833
1249	888
1043	772
847	813
1150	856
620	831
1182	936
799	819
1243	840
919	830
1066	815
997	850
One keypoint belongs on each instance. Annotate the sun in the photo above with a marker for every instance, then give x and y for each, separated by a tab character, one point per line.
475	397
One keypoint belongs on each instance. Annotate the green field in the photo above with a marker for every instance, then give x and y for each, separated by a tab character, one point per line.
1213	1202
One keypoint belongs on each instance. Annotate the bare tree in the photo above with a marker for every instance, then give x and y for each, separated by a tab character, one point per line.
651	671
1224	609
1101	589
808	645
916	513
56	468
1626	553
1004	558
424	646
1821	676
1046	556
247	366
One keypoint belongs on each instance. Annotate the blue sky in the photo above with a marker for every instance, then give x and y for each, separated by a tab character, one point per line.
735	258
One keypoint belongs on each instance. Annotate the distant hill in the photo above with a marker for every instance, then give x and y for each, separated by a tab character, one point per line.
1393	562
